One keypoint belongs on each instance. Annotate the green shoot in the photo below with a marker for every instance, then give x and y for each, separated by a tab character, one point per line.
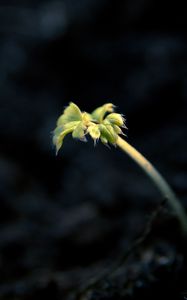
106	125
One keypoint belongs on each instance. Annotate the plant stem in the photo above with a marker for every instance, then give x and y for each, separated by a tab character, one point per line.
157	179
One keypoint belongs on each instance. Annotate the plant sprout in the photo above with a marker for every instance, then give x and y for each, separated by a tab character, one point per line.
106	125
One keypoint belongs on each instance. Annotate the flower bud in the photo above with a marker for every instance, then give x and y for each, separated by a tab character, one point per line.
94	131
99	113
115	119
108	133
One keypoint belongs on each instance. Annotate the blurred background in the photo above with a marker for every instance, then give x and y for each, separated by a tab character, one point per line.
63	217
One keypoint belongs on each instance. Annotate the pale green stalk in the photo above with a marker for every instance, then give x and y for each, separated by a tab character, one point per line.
157	179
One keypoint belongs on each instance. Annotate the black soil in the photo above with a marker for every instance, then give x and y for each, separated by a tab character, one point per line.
88	224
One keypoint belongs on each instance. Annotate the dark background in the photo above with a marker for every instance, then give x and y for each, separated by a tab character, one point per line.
62	219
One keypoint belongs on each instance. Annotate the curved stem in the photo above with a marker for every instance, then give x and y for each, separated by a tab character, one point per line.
157	179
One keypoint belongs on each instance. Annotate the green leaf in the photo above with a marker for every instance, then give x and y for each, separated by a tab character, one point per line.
72	124
58	137
79	131
71	113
